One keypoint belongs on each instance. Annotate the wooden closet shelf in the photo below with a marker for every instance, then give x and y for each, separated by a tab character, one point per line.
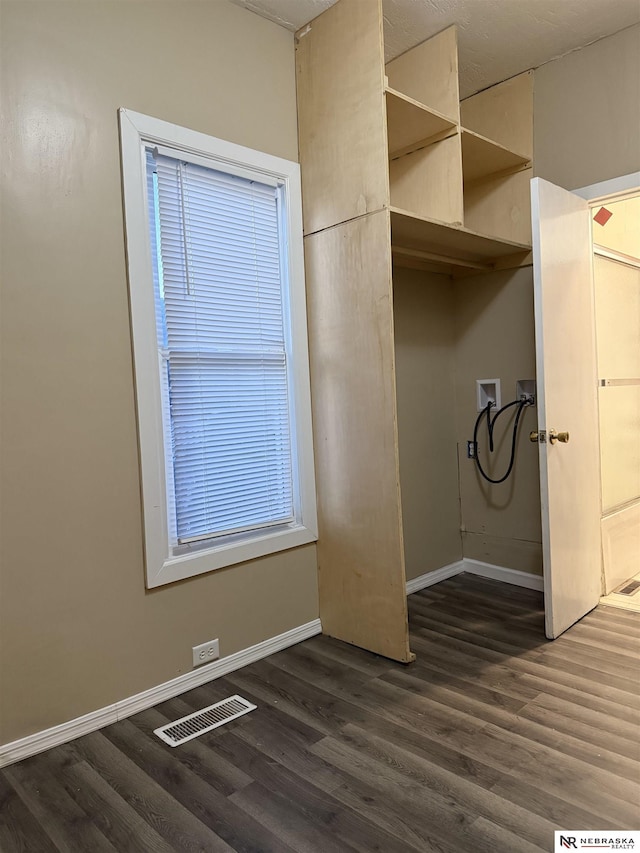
482	157
449	244
411	124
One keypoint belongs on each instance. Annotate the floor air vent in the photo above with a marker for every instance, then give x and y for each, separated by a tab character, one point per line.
204	721
629	588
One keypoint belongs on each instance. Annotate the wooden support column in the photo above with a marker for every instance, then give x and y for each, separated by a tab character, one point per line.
360	548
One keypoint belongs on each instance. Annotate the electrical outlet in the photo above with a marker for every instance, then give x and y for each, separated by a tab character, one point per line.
471	450
206	652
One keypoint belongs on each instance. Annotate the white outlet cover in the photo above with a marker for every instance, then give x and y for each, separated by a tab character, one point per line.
206	652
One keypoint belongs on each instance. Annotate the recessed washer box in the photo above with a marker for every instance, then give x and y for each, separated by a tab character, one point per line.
526	388
488	390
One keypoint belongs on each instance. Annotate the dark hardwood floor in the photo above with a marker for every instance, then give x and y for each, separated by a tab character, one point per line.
492	739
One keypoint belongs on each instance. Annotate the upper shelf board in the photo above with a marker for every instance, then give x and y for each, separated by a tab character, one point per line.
481	157
412	124
451	241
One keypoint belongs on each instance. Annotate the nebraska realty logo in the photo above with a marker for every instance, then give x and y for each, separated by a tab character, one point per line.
591	839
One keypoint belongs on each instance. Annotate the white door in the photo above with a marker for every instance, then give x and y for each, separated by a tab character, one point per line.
567	403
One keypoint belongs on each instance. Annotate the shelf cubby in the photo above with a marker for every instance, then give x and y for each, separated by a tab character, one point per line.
428	181
412	125
503	113
500	206
482	157
428	74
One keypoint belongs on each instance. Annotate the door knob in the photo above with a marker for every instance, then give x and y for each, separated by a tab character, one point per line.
534	436
554	436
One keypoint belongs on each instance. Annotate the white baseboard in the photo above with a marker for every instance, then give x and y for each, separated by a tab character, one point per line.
40	741
499	573
476	567
429	578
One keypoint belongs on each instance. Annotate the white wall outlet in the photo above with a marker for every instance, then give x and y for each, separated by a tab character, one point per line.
206	652
488	390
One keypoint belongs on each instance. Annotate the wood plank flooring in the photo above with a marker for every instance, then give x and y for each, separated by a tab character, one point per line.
492	739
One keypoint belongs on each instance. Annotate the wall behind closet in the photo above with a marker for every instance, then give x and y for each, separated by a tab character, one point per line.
423	306
495	339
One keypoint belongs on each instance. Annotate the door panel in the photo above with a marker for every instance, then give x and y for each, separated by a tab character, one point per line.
567	401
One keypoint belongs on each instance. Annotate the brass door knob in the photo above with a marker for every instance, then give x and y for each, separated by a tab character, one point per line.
554	436
533	435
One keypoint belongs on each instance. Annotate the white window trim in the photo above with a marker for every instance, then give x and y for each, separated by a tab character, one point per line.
162	565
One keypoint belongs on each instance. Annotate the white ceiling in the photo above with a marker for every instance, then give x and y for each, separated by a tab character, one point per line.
496	38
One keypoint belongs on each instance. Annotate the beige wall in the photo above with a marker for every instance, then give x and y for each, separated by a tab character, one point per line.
424	342
495	339
78	629
587	113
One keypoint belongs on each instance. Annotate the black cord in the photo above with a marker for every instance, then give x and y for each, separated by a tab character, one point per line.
490	425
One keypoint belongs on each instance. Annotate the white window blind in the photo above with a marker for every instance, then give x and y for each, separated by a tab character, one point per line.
216	243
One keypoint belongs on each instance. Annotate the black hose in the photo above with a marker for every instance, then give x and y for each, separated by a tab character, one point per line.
490	425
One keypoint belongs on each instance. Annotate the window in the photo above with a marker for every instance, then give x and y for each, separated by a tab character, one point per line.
214	250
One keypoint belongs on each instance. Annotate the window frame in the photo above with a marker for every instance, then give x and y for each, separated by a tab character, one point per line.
162	562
